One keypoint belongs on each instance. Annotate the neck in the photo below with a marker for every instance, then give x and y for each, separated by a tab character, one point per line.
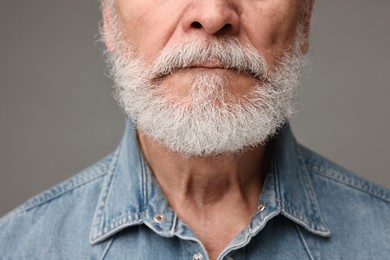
215	196
206	181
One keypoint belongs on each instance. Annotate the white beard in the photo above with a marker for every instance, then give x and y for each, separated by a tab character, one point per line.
209	124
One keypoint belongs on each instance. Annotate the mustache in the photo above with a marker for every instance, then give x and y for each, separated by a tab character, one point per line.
226	53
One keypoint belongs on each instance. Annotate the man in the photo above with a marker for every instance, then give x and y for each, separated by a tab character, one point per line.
208	167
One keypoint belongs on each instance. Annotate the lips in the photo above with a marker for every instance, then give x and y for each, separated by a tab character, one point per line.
202	65
217	65
208	65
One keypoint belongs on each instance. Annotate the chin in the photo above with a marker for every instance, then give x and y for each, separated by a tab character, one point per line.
207	86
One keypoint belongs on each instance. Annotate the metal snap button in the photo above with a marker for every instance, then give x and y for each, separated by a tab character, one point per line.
160	218
197	256
261	207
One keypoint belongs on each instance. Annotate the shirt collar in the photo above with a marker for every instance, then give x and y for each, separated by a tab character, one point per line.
130	195
294	188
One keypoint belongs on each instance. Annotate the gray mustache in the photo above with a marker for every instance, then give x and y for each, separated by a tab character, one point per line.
227	53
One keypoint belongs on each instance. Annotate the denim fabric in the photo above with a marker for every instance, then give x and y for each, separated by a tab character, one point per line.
314	209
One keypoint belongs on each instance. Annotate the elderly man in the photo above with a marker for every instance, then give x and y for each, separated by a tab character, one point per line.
208	167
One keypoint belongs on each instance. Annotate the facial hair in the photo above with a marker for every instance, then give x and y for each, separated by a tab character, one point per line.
212	121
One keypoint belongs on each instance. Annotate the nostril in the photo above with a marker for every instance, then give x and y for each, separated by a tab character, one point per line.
196	25
227	27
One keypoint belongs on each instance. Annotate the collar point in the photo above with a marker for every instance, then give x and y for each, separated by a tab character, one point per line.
315	227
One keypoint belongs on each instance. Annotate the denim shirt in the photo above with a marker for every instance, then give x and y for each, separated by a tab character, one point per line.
309	208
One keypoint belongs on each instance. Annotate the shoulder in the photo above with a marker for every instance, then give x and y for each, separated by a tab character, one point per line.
65	209
50	196
354	209
322	168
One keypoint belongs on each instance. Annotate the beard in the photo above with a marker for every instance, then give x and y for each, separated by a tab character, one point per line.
211	119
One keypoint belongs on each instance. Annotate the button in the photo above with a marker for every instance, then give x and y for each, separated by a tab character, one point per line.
197	256
261	207
160	218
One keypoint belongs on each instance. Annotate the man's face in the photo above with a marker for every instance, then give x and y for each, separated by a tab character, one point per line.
151	26
207	76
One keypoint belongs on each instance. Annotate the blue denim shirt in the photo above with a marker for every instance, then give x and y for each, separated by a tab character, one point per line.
309	208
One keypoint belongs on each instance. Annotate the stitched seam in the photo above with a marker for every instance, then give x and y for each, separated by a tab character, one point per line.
82	178
144	180
350	181
64	189
340	175
304	242
277	184
71	184
103	195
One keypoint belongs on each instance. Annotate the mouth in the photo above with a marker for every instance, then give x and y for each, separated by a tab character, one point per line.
208	65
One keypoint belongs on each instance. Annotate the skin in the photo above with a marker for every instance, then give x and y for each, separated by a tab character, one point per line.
203	190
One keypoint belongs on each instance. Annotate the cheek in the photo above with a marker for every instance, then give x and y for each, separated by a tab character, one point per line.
177	85
148	26
131	24
271	27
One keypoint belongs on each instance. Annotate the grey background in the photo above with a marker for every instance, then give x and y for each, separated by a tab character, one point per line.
57	115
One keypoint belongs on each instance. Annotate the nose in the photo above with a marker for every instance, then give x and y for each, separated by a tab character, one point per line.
214	17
